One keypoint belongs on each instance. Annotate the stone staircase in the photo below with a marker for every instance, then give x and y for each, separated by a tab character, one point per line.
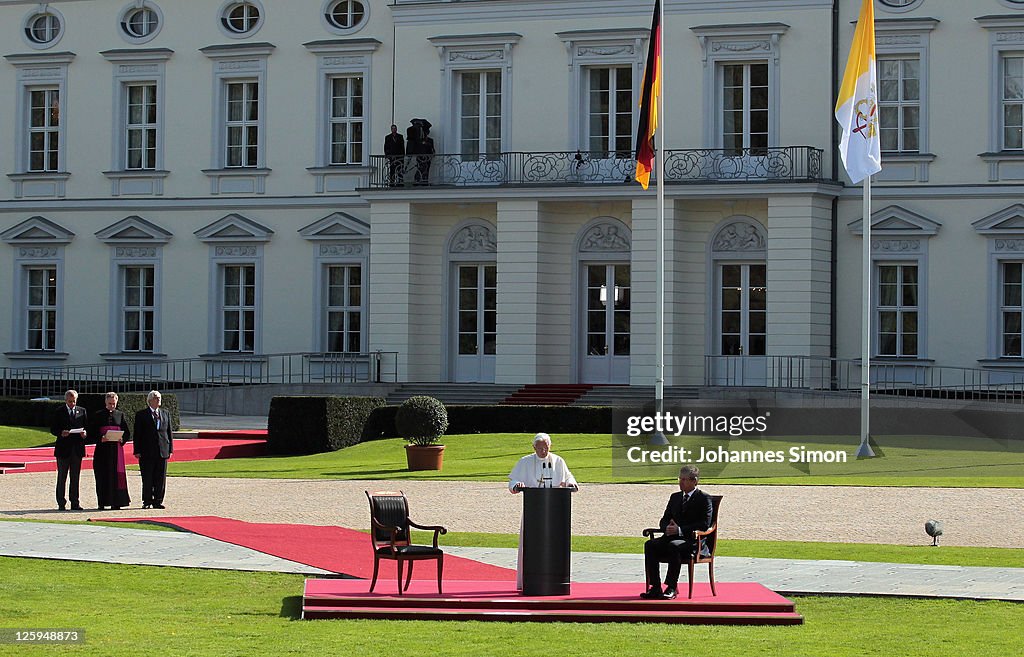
542	394
633	395
538	394
454	393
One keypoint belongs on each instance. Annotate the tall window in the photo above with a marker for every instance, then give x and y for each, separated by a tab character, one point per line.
137	308
44	130
1013	103
243	116
743	308
479	113
140	126
744	108
346	118
1010	309
41	309
610	111
899	104
897	310
238	308
343	309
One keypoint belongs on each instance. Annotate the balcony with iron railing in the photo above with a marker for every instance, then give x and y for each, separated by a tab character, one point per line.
795	164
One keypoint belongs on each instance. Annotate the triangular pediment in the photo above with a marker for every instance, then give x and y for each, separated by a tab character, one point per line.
234	228
897	220
134	229
1009	221
336	226
37	230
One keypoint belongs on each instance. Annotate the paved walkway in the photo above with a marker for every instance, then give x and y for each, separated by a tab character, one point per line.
159	548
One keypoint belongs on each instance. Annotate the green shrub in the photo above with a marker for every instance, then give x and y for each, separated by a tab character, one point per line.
421	420
310	425
28	413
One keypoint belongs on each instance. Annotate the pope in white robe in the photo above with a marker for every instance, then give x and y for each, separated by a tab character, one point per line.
542	469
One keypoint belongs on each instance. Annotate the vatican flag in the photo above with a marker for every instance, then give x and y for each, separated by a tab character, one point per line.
856	107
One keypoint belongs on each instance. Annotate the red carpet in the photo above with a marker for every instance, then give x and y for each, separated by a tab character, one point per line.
735	604
336	549
41	459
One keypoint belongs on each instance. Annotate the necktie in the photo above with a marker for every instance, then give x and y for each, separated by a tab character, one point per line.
156	419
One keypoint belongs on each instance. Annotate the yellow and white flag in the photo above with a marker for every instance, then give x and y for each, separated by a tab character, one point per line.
856	107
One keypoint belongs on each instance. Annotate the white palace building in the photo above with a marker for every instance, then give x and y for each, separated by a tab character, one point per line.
207	180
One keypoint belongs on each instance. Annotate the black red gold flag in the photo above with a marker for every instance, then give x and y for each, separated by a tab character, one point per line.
648	124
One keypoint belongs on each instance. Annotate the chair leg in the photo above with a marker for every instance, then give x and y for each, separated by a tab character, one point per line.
408	577
376	566
440	569
399	577
689	576
711	576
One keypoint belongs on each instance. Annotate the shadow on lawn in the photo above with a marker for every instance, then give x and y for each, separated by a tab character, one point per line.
291	607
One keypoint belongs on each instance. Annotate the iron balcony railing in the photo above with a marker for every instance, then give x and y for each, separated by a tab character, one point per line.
196	373
886	377
783	164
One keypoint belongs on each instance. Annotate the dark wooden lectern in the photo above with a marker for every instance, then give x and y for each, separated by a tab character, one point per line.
547	529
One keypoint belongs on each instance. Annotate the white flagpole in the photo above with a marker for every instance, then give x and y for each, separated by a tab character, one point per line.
659	314
864	450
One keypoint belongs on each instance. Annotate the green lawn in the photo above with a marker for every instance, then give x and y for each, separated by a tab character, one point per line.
17	437
140	611
949	462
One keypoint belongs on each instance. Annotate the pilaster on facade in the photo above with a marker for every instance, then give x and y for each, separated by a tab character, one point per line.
799	268
644	299
391	285
519	261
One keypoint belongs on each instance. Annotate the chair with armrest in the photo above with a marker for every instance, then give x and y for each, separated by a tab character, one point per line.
707	541
389	534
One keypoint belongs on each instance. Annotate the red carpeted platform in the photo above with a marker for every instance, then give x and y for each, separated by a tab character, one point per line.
735	604
336	549
41	459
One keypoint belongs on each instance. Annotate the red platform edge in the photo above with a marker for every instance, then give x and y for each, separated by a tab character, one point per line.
735	604
41	459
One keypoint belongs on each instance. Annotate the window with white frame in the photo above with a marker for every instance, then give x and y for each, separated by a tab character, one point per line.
40	308
141	125
1011	308
741	85
744	107
609	111
140	22
239	117
138	308
1012	102
43	28
238	307
343	308
240	19
242	124
899	104
346	119
897	310
476	92
44	129
479	114
344	16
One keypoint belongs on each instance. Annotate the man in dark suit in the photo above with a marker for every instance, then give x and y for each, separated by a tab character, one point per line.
394	149
68	427
153	445
688	511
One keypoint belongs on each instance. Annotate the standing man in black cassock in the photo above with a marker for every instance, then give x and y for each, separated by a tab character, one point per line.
688	510
68	427
153	445
394	149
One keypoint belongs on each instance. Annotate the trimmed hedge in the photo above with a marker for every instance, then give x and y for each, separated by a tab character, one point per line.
503	419
28	413
310	425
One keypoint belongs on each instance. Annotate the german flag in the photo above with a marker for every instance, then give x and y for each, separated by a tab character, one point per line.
649	103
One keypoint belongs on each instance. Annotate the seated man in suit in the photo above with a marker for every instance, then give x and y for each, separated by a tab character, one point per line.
688	511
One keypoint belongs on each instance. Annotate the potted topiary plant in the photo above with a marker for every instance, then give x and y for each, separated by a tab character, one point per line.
422	420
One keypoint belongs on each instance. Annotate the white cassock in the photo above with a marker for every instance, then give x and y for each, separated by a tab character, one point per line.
535	472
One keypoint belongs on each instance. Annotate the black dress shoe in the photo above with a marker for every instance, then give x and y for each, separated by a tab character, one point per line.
77	508
653	594
159	506
61	507
670	593
147	505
